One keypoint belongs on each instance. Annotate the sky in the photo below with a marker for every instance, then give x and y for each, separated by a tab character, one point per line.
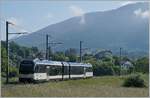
32	15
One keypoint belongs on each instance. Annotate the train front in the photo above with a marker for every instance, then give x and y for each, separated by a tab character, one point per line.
26	70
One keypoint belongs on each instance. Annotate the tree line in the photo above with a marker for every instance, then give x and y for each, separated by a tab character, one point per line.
104	62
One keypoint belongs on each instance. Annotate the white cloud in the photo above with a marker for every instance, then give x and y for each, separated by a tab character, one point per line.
127	2
137	12
130	2
49	15
77	11
16	24
142	14
145	14
14	20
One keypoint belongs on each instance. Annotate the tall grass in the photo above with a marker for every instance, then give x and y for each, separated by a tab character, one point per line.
97	86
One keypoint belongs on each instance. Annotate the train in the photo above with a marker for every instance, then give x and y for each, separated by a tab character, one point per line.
45	70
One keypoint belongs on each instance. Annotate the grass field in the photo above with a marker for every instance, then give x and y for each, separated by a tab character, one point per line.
96	86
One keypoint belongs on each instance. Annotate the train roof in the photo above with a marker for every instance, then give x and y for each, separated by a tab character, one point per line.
47	62
59	63
80	64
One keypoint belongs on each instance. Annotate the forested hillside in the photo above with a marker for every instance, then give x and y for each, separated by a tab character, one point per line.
104	62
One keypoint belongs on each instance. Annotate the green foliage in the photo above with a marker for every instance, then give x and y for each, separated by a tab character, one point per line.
34	49
116	60
103	70
70	51
22	52
134	81
16	54
116	70
13	71
124	71
131	70
4	59
104	63
91	61
59	56
105	86
72	58
87	57
71	54
142	65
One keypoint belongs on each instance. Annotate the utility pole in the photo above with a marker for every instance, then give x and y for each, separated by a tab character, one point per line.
7	69
7	48
46	46
120	60
49	53
53	43
49	47
81	51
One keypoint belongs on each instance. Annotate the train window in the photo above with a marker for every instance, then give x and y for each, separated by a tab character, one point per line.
40	69
76	70
26	68
88	69
36	69
55	70
66	70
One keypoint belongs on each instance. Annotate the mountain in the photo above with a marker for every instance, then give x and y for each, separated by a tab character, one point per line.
126	27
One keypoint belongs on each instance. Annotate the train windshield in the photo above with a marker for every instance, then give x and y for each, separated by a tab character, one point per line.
26	67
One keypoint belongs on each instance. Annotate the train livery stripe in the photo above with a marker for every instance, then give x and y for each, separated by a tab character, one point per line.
40	76
69	71
55	77
76	76
89	74
66	76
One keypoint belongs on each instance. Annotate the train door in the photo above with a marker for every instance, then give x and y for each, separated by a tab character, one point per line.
47	72
84	72
69	71
62	71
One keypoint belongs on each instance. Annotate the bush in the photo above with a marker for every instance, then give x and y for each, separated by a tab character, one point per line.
142	65
102	70
13	71
134	81
116	70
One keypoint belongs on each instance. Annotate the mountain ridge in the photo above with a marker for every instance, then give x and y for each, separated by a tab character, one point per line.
109	29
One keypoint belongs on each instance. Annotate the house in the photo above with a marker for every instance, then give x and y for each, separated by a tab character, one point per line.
126	65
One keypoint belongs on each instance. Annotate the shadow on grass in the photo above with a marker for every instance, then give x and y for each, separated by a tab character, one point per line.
31	82
15	81
18	83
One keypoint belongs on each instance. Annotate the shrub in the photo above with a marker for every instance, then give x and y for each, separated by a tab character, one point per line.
134	81
13	71
102	70
116	70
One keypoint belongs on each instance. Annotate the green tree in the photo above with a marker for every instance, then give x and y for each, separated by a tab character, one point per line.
71	54
3	60
142	65
72	58
59	56
116	60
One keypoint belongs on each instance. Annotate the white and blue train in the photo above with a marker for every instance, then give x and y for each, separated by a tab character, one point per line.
36	70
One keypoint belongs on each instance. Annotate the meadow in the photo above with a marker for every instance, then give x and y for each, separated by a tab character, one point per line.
110	86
